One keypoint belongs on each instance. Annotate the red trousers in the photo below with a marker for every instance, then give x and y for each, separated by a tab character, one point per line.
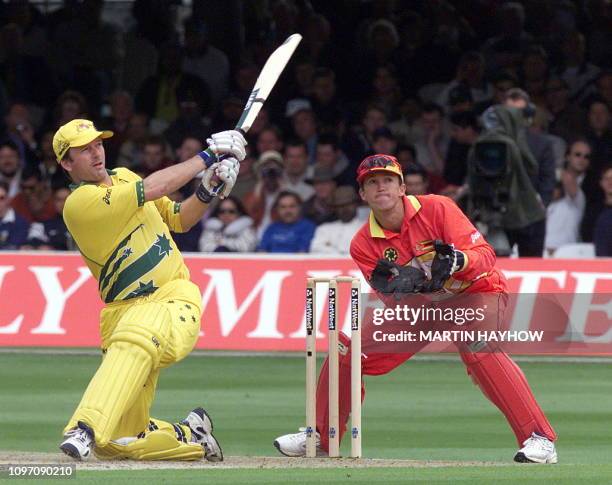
498	377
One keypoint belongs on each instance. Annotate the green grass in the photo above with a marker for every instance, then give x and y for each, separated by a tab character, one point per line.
424	411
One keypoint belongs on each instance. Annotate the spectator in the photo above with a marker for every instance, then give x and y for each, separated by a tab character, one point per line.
501	82
535	72
567	119
159	95
599	133
318	208
296	165
10	167
228	229
386	91
603	225
410	111
292	233
121	111
359	142
154	156
48	165
576	71
470	73
577	164
464	132
19	128
304	125
505	49
205	61
259	203
539	126
52	234
460	99
329	110
415	180
335	237
270	138
383	141
13	227
130	153
34	203
69	106
189	121
26	77
564	213
331	159
432	139
406	156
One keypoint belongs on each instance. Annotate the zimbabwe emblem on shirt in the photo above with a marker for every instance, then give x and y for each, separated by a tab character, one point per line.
390	254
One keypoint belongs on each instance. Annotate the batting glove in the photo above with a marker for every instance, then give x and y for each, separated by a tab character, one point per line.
227	171
230	143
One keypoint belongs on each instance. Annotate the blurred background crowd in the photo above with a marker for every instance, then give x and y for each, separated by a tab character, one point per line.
408	78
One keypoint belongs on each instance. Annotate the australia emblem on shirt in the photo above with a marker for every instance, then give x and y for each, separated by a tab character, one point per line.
390	254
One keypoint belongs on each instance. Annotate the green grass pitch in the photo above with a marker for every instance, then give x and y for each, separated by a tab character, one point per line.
425	410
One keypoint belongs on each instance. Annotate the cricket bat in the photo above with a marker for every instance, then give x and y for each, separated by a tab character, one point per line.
268	76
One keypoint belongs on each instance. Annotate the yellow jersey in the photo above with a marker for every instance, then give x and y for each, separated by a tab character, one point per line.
125	241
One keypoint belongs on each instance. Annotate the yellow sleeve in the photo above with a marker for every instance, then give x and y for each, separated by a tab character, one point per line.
91	206
170	212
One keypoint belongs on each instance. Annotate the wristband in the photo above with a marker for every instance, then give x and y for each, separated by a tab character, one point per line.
208	157
203	195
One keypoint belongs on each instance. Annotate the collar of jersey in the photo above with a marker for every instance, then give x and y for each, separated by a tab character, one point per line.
73	187
411	207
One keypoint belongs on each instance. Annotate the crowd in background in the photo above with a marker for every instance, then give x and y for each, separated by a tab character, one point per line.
410	79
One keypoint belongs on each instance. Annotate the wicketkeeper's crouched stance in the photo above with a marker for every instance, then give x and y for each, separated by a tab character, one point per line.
151	320
405	238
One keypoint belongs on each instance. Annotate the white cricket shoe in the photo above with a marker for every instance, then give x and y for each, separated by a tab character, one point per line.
537	449
294	444
79	442
201	427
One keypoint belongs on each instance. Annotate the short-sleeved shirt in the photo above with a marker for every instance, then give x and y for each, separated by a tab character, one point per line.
124	240
426	219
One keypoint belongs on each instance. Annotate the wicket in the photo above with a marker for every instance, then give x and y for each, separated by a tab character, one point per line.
311	366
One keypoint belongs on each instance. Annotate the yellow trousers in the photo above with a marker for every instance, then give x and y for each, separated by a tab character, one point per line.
139	337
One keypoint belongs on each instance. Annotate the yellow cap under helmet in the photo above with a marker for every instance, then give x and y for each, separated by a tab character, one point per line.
75	133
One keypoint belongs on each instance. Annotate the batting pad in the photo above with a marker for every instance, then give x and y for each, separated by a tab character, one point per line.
160	444
113	389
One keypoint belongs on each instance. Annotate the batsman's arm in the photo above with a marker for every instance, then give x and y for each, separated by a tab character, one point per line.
170	179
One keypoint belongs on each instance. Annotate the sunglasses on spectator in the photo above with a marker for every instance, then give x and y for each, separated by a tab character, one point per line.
27	188
582	155
228	211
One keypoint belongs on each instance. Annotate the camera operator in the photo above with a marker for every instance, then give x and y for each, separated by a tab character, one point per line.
503	176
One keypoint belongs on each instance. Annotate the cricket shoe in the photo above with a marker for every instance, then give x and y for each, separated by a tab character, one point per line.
537	449
294	444
201	427
79	442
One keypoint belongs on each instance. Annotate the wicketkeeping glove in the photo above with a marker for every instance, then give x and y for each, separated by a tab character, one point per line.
230	143
389	277
447	261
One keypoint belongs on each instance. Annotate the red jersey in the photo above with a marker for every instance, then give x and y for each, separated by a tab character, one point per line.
427	218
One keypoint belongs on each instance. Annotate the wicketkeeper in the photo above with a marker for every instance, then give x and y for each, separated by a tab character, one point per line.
151	319
426	244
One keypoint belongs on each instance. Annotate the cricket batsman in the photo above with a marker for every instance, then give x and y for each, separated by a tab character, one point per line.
425	244
151	319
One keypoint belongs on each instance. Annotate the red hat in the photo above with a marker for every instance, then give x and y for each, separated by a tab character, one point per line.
379	163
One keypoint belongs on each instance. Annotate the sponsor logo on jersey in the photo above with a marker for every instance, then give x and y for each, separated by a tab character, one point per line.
107	197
